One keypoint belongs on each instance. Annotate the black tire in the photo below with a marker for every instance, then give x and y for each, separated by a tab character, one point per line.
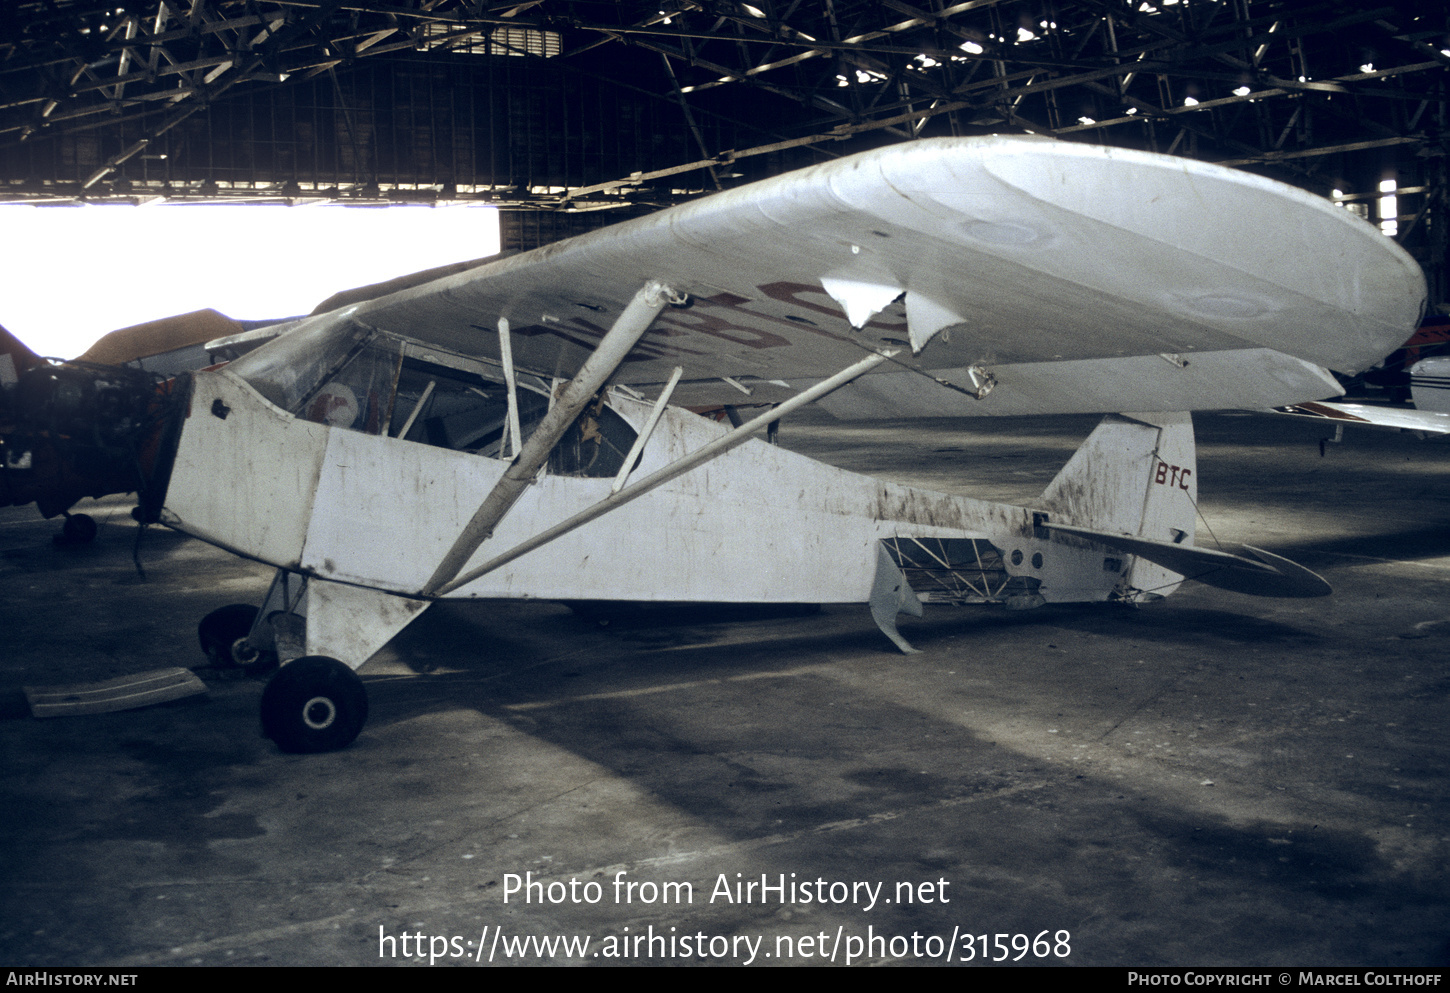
314	704
220	631
78	529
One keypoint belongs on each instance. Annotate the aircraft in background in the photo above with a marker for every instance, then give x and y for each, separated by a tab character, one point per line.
1418	371
85	422
520	428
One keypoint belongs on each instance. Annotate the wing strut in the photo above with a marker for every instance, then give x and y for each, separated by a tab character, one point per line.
679	467
630	326
506	352
643	437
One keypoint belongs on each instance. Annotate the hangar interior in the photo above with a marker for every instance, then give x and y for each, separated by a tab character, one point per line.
570	115
1227	784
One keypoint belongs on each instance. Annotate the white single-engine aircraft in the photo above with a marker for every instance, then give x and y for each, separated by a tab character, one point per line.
518	429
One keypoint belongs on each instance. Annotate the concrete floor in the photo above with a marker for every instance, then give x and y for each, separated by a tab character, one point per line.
1213	779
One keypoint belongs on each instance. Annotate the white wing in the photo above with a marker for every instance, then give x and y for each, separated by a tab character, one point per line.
1062	277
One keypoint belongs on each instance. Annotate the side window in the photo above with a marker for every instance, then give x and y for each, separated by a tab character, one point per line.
453	409
595	445
376	391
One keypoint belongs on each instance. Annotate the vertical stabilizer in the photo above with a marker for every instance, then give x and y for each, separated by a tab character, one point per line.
1136	474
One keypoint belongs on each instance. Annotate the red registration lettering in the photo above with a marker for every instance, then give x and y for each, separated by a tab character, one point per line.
1172	475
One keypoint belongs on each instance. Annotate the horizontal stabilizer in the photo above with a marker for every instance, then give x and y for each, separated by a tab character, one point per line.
1252	571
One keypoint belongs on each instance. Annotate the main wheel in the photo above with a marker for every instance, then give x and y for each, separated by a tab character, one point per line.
223	636
314	704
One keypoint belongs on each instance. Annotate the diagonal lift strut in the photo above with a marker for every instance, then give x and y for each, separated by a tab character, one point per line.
658	478
626	331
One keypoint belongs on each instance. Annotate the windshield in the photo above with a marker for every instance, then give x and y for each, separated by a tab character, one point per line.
289	369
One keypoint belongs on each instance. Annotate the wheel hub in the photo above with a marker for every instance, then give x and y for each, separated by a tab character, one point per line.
319	713
243	653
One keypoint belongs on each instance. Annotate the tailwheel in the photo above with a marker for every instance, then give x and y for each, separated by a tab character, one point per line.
314	704
223	636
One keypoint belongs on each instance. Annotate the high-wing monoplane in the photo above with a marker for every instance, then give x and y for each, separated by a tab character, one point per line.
521	427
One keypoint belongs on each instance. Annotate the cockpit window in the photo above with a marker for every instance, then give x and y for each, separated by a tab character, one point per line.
595	444
376	390
450	408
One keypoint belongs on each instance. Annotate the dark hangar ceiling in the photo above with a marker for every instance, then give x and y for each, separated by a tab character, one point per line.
566	109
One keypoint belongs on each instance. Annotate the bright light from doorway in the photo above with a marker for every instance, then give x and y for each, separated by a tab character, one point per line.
71	274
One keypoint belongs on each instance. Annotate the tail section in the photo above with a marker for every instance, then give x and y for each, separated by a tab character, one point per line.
1133	487
1135	475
